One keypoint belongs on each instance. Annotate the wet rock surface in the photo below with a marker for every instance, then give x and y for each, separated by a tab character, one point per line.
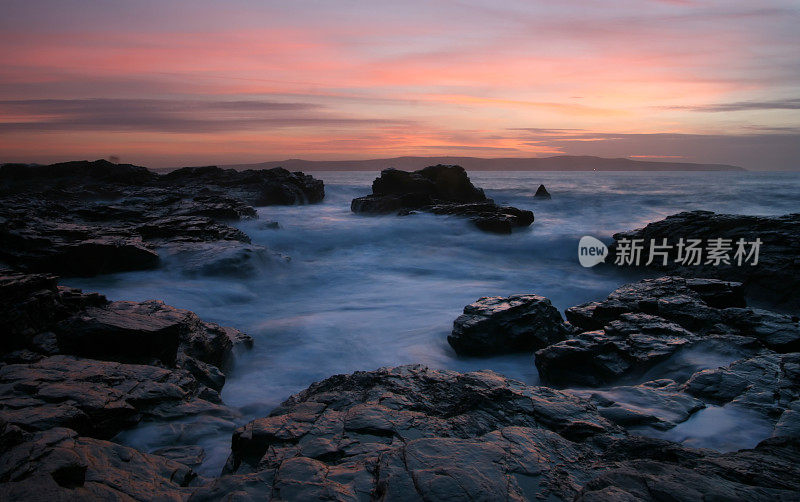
88	218
58	464
439	189
412	433
775	280
642	324
79	361
496	325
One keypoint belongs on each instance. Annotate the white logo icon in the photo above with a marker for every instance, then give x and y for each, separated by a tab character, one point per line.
591	251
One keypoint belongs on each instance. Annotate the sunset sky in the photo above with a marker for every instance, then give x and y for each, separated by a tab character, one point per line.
188	82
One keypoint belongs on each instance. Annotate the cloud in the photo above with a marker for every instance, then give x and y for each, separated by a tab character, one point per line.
779	104
169	116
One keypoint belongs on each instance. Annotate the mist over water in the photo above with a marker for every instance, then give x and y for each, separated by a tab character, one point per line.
361	292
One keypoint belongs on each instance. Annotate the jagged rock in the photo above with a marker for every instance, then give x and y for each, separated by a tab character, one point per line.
659	403
644	323
776	277
397	433
646	469
410	433
57	464
439	189
768	384
30	304
88	218
519	323
542	193
97	398
259	188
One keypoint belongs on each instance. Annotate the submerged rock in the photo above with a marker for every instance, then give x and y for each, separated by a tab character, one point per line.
439	189
496	325
774	280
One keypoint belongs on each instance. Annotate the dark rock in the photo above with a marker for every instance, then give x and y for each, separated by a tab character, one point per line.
398	434
645	323
660	404
542	193
495	325
259	188
645	469
191	456
439	189
768	384
776	277
88	218
59	465
96	398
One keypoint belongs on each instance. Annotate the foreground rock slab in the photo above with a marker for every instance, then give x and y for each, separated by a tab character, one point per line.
60	465
439	189
412	433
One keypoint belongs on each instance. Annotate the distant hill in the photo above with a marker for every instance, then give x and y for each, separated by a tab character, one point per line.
557	163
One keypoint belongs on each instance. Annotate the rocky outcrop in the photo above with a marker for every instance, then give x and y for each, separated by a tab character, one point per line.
58	464
398	433
88	218
256	187
411	433
439	189
775	279
76	360
644	323
767	384
496	325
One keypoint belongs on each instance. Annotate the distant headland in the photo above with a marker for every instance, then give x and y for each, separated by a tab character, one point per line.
556	163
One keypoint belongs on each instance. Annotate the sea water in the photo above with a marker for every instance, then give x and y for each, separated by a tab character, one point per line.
361	292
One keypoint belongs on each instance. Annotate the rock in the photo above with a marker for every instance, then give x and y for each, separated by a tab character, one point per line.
439	189
31	304
645	323
542	193
659	403
257	187
96	398
88	218
645	469
397	433
60	465
411	433
776	277
768	384
191	456
495	325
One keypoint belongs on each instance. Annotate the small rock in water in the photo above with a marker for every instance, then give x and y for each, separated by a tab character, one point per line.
542	193
519	323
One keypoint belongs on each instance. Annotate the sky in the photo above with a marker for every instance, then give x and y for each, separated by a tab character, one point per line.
190	82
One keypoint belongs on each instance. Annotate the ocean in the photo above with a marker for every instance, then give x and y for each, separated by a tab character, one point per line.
361	292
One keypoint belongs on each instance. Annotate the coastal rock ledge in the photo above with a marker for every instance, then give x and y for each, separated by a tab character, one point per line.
413	433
